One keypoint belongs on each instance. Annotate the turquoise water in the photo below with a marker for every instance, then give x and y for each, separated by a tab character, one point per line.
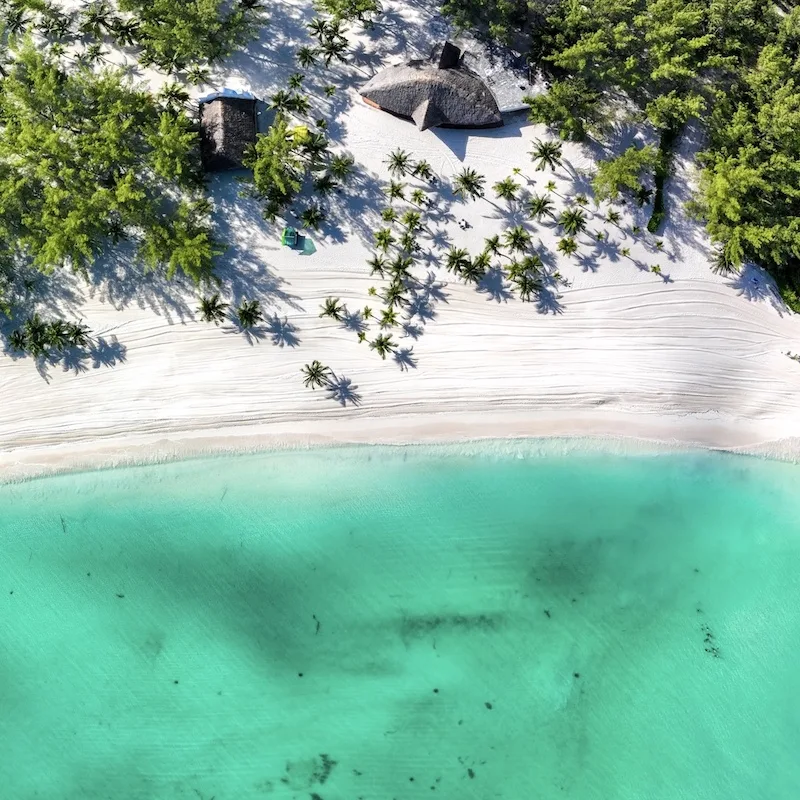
384	624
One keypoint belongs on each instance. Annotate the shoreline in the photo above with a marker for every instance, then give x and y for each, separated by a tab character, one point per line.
616	432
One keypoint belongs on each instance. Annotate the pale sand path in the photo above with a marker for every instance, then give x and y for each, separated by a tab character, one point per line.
699	360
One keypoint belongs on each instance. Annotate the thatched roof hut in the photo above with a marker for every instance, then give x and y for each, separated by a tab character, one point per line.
439	91
228	128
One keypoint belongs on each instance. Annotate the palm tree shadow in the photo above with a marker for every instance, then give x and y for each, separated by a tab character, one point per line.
548	302
412	331
282	332
107	352
353	321
756	286
495	285
252	335
404	358
343	391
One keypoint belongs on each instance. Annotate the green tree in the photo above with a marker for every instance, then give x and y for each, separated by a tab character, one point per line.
573	221
456	260
399	163
546	155
539	205
316	374
568	246
249	313
623	172
468	184
517	239
506	189
382	345
278	166
332	308
109	165
571	106
212	309
312	217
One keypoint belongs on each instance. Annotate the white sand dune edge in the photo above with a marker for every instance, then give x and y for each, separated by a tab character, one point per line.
688	359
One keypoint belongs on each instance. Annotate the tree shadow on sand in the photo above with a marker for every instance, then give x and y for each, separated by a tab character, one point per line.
343	391
756	286
282	332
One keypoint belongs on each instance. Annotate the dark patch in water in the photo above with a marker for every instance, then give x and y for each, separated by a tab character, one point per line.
416	627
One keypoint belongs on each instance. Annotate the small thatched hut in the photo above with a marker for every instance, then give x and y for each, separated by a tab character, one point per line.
438	92
228	128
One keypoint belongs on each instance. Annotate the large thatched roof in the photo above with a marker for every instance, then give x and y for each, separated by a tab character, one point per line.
440	91
228	126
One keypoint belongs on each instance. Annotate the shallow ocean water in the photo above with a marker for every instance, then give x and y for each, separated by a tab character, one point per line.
396	623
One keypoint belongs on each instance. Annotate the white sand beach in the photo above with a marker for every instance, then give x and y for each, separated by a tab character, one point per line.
688	357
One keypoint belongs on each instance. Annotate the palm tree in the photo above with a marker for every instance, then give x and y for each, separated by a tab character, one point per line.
173	95
517	239
418	197
528	285
546	154
492	245
382	345
325	183
550	186
295	80
300	104
483	260
126	33
600	235
36	335
377	265
96	19
411	220
399	162
249	313
78	334
659	244
567	246
367	313
333	49
506	189
395	190
625	252
18	340
422	170
613	217
312	217
332	308
57	335
655	269
468	183
318	27
636	230
400	267
316	374
539	205
280	101
388	318
581	200
306	56
384	239
212	309
456	259
473	272
408	242
389	214
573	221
394	295
197	75
341	166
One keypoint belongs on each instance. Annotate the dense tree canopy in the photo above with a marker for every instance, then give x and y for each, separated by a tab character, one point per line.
730	63
87	159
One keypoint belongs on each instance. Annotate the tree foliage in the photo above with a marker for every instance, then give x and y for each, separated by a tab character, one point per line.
623	172
87	159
